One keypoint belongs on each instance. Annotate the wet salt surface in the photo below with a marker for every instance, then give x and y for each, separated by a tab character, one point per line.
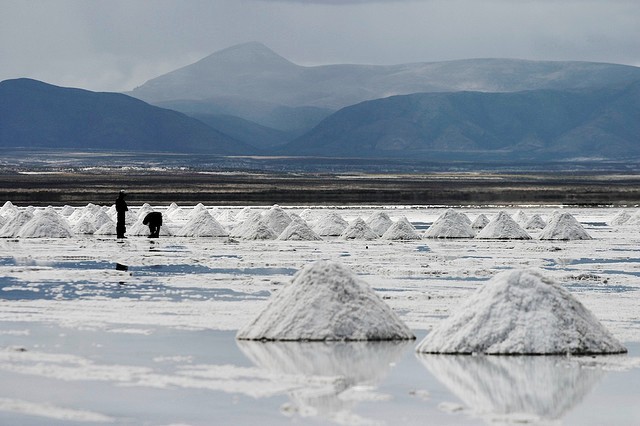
155	343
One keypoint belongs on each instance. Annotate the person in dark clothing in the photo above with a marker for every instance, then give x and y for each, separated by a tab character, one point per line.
154	221
121	208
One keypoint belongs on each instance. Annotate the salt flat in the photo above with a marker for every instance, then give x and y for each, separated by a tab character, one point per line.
83	341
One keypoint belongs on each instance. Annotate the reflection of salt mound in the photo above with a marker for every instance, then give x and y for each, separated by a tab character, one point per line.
503	227
345	364
545	388
358	230
401	230
535	222
564	227
450	224
298	230
13	225
202	225
521	312
276	219
480	222
621	218
330	225
46	224
379	222
326	301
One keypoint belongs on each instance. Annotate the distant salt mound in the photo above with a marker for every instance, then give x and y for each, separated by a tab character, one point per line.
358	230
202	225
401	230
450	224
308	216
196	210
226	216
520	312
46	224
326	301
258	230
246	213
277	219
621	218
84	226
535	222
480	222
564	227
79	213
239	229
106	229
521	218
298	230
172	207
14	224
143	211
379	222
503	227
330	225
67	211
8	210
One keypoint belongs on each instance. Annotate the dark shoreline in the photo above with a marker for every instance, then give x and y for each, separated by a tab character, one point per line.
220	188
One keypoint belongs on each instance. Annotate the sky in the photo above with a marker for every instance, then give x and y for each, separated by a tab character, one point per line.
116	45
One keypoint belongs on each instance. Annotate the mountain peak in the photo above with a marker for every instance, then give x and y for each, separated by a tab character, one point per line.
247	53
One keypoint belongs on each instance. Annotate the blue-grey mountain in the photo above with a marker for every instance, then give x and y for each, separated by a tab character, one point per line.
540	125
34	114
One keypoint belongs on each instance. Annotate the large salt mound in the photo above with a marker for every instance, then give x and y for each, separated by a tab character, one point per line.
520	312
564	227
330	225
276	219
298	230
326	301
480	222
258	230
14	224
202	225
401	230
450	224
379	222
8	210
503	227
46	224
358	230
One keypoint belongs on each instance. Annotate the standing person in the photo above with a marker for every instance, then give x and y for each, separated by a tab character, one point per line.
121	208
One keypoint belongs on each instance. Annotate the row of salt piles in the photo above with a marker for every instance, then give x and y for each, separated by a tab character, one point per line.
561	226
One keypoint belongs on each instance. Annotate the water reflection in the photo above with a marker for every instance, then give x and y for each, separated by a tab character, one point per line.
333	376
539	387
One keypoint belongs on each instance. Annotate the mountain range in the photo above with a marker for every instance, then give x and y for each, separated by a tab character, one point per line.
249	100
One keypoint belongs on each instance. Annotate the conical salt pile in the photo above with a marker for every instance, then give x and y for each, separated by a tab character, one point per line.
450	224
564	227
535	222
298	230
503	227
67	211
277	219
520	312
330	225
358	230
106	229
84	226
258	230
2	221
14	224
46	224
326	301
202	225
379	222
480	222
521	218
8	210
401	230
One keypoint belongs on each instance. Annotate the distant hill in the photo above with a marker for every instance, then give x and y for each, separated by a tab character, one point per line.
252	72
539	125
34	114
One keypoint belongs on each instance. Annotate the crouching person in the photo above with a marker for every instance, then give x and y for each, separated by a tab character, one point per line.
154	221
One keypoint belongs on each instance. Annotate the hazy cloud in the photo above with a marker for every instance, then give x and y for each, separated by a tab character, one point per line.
118	44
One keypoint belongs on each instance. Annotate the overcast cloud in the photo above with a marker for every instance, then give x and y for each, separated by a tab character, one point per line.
116	45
